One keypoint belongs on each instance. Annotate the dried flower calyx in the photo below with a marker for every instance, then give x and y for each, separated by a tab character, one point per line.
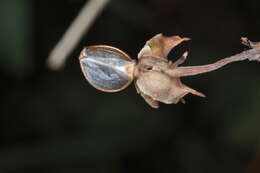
161	82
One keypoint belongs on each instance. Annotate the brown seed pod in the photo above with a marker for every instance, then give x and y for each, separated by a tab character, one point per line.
156	78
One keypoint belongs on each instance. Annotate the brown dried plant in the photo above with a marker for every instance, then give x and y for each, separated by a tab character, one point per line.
158	79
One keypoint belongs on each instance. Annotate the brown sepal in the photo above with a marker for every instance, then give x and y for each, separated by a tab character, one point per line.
159	46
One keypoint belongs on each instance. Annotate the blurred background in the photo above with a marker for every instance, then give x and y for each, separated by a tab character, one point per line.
54	121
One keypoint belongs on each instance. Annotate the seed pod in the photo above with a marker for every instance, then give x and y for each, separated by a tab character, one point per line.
157	79
106	68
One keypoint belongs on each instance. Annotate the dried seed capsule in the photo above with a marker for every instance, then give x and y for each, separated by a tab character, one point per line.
106	68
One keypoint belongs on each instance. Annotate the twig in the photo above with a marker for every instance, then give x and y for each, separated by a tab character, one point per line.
72	36
252	55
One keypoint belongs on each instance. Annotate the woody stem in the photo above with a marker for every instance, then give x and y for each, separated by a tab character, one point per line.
251	55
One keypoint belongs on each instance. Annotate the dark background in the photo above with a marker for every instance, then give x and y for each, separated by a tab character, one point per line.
54	121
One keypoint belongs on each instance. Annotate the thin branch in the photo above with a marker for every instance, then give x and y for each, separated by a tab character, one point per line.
72	36
252	55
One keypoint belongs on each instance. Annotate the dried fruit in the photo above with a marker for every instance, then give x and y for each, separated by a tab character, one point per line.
156	78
